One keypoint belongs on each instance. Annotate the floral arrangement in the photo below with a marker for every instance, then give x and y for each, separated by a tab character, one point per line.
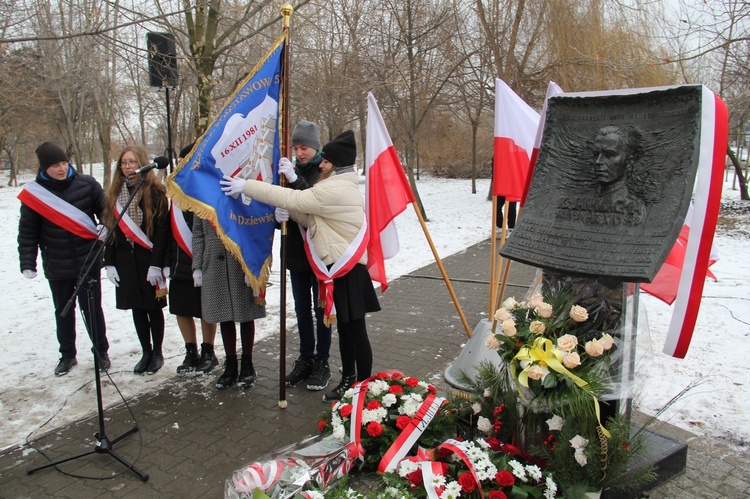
391	404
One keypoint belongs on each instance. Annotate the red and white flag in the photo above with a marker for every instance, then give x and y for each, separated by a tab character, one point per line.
387	193
706	203
667	280
552	90
516	125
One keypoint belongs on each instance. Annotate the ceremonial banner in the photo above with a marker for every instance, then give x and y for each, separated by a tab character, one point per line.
516	124
242	141
387	193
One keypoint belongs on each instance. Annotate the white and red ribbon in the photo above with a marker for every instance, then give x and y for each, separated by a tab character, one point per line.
131	229
58	211
344	264
355	425
182	233
430	470
457	448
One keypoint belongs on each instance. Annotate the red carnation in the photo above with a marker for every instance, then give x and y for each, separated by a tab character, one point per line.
373	404
397	375
510	449
345	410
322	425
431	389
505	478
374	429
402	422
415	479
497	494
467	482
382	375
494	443
396	389
412	382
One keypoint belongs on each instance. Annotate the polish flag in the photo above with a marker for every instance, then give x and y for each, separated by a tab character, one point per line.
387	193
516	125
552	90
667	280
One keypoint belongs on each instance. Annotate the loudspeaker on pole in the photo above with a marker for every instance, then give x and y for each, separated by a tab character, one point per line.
162	59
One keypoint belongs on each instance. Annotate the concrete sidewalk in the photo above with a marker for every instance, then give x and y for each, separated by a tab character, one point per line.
192	436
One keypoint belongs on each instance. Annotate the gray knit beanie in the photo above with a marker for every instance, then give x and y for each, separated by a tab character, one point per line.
306	133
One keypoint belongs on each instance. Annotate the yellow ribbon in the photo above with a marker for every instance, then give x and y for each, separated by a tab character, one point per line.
544	353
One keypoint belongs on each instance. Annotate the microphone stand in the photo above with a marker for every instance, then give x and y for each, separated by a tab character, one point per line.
85	281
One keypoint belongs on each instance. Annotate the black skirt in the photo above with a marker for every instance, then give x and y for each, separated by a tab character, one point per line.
184	299
354	295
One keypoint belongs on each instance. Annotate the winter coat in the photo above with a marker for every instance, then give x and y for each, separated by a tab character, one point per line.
132	261
296	259
180	263
332	210
225	297
63	253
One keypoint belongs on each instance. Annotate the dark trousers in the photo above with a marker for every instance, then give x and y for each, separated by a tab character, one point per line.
305	293
62	290
356	352
511	213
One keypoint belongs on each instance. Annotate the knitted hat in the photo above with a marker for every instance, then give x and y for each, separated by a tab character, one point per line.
306	133
50	154
342	150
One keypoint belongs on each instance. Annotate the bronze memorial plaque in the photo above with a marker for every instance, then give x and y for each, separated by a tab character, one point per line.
612	183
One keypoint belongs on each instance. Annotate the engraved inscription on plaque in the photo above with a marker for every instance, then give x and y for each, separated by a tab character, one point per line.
612	183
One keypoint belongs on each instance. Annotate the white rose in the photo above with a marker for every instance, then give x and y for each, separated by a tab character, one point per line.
555	423
484	425
594	348
537	327
537	372
567	342
502	314
578	314
607	341
572	360
509	327
535	301
578	442
492	342
544	310
510	303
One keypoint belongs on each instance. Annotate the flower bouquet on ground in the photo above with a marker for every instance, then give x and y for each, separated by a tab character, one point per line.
389	416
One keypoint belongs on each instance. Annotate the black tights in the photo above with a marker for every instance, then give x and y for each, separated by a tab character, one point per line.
149	325
354	345
247	338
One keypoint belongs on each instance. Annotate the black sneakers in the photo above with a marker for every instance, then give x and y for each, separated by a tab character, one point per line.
345	383
64	366
208	359
247	372
229	376
303	369
191	361
321	375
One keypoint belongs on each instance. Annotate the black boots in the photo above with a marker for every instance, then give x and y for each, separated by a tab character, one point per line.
229	376
346	382
143	364
157	361
191	361
208	358
303	368
247	372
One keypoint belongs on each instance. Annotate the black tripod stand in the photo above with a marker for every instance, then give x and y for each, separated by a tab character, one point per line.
85	281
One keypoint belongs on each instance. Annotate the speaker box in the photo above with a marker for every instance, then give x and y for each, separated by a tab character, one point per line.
162	59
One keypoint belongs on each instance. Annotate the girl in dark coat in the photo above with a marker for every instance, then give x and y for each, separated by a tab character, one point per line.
134	269
64	253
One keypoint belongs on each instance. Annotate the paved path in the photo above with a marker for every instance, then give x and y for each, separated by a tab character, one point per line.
192	436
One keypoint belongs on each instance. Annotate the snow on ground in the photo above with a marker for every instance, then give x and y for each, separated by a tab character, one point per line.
33	400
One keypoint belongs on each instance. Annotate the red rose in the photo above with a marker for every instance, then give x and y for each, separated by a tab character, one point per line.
510	449
497	494
467	482
396	389
505	478
402	422
374	429
397	375
445	468
444	453
431	389
494	443
412	382
373	404
415	478
345	410
382	375
322	425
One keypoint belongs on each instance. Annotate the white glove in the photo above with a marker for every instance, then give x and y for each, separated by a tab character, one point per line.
29	274
197	278
103	232
166	272
232	185
247	281
153	275
281	215
287	169
112	275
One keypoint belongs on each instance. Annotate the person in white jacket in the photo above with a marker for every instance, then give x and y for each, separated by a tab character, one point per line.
333	213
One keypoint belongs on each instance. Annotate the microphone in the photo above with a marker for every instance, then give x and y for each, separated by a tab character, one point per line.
160	163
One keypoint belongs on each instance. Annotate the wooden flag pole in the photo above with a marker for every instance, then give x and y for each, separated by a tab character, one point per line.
493	250
495	276
507	267
286	14
442	269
